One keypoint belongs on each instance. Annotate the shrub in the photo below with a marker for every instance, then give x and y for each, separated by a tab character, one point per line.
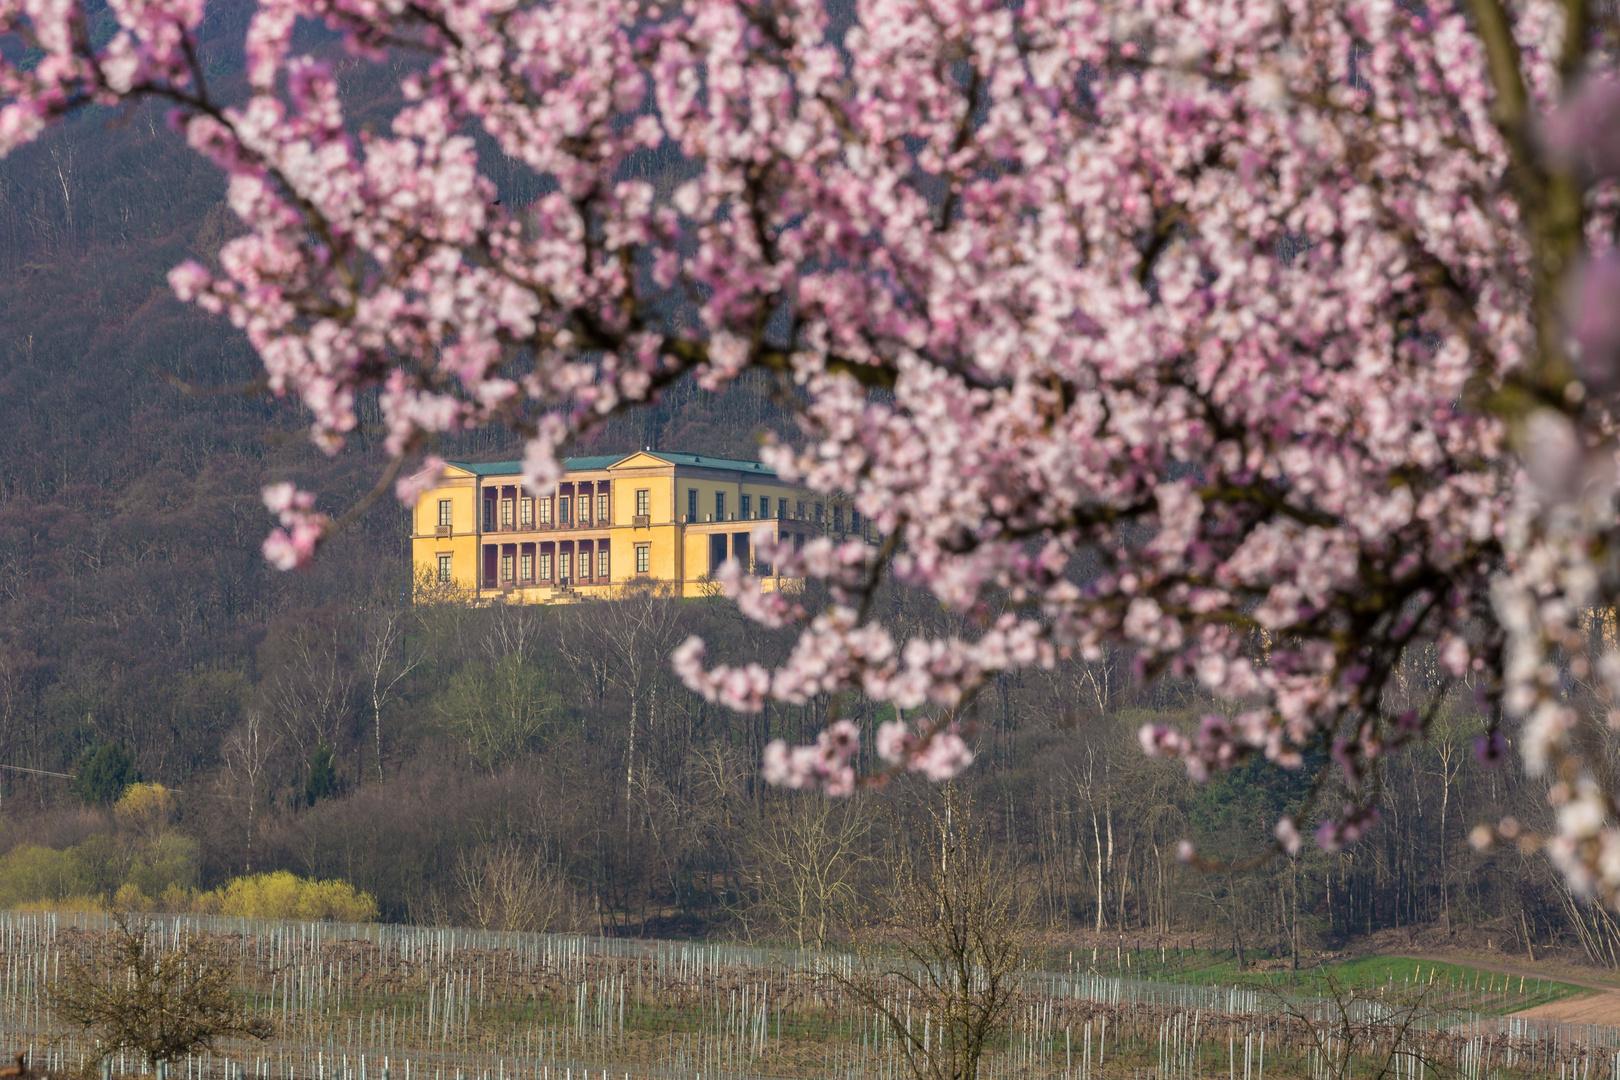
168	862
284	895
31	873
146	808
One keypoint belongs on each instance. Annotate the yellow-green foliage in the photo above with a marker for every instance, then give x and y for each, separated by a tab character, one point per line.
123	867
145	807
66	903
283	895
31	873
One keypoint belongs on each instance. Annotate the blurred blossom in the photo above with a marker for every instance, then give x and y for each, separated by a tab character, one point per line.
1336	834
1490	750
1553	458
1594	301
1288	835
302	527
410	489
1585	130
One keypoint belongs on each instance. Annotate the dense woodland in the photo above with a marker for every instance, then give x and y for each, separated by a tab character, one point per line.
539	768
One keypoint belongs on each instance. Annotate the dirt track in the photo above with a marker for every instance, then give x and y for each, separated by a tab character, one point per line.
1599	1008
1602	1007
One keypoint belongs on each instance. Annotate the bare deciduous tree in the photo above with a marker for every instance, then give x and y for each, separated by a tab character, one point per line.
386	656
949	947
161	1004
1343	1022
507	886
627	642
806	861
499	711
312	688
245	755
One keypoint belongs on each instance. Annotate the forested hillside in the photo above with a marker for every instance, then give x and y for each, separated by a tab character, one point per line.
525	768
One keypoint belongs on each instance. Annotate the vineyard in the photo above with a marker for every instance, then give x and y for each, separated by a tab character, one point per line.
374	1002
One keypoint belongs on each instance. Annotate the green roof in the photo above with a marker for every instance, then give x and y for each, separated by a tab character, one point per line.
603	461
676	458
491	468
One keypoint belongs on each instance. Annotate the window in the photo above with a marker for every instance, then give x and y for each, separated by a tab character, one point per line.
444	513
506	566
602	563
444	568
691	504
562	509
719	506
854	521
506	513
489	514
526	513
745	507
781	509
563	559
582	509
643	558
838	519
602	507
545	566
526	567
545	511
798	541
821	513
643	502
798	512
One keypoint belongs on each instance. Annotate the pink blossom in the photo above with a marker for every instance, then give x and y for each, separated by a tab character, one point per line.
282	497
19	123
280	552
293	545
945	756
1287	834
1595	317
1586	128
410	489
1336	834
1194	366
824	766
894	740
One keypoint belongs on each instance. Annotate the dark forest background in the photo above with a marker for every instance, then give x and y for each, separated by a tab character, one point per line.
536	768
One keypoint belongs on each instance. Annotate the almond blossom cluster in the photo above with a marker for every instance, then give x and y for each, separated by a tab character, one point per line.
302	526
1221	331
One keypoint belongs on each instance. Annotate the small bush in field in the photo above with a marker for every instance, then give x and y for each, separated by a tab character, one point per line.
161	1004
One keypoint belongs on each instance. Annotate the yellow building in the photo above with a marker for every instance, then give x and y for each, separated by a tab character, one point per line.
615	520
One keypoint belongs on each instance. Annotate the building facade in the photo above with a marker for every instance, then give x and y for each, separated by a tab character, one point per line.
617	520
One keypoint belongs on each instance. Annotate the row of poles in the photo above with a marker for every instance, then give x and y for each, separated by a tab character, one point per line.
368	1002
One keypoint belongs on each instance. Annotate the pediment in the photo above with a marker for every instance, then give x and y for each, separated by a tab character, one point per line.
641	460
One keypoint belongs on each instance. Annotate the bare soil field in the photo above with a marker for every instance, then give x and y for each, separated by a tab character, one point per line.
1602	1007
